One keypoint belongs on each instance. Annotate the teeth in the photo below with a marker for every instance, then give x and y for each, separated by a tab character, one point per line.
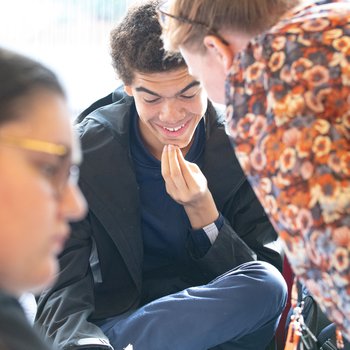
174	129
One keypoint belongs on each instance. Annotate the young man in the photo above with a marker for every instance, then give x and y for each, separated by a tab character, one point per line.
166	256
288	111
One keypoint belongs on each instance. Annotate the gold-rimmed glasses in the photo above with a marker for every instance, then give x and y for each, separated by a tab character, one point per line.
164	16
60	171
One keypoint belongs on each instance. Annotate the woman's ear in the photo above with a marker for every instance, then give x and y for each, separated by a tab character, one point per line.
128	90
222	51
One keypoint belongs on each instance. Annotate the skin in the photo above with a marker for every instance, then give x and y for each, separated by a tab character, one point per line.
33	220
218	56
170	105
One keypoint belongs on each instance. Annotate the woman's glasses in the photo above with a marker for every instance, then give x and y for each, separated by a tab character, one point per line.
60	171
164	16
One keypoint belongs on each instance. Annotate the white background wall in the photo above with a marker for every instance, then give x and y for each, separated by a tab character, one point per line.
71	37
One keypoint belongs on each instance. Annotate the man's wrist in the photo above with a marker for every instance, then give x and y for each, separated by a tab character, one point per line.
212	230
203	214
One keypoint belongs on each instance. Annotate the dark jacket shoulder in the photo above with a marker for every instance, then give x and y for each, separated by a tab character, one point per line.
15	331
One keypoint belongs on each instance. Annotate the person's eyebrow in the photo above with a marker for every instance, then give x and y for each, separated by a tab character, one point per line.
143	89
189	86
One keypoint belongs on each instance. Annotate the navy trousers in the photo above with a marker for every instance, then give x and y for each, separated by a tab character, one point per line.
238	310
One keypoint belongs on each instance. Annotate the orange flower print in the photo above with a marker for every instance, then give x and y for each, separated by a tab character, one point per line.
304	221
316	76
288	217
343	199
288	107
265	185
244	160
257	49
258	159
327	193
277	61
288	160
299	67
294	246
243	151
340	259
306	170
270	205
315	240
340	280
322	146
344	125
278	43
313	103
301	197
300	160
302	39
315	25
346	120
345	75
280	180
291	137
254	72
288	98
244	125
258	127
285	75
272	147
330	35
322	126
342	44
345	163
334	162
229	114
341	236
338	59
305	144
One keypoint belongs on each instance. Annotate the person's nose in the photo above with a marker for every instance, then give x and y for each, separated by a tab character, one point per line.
73	203
171	111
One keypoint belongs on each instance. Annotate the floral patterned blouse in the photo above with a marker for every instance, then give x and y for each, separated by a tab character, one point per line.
288	110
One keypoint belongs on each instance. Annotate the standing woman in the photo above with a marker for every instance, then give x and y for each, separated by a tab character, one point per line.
38	188
287	94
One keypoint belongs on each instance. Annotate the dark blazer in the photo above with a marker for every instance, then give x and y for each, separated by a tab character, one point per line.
15	331
101	265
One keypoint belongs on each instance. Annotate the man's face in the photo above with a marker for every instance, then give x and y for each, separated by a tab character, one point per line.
170	105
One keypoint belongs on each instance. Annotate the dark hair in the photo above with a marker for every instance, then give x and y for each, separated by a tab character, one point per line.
19	76
136	44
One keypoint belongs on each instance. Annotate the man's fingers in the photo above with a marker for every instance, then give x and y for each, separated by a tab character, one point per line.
191	173
175	169
165	163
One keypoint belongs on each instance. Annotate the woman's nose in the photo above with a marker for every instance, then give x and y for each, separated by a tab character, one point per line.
74	205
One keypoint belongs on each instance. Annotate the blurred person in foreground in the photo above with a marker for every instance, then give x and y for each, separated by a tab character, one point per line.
38	189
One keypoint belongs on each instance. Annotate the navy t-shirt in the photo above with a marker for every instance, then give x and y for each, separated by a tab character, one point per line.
164	223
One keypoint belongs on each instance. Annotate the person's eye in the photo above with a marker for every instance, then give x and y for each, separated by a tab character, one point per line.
152	100
49	170
188	97
190	94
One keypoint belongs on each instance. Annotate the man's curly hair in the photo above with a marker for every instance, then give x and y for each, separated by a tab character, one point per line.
136	44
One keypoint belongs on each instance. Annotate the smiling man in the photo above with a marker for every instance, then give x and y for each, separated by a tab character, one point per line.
167	256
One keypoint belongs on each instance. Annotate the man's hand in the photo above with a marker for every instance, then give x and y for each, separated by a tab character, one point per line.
187	185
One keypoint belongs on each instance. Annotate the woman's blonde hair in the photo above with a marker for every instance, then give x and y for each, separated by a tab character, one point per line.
190	21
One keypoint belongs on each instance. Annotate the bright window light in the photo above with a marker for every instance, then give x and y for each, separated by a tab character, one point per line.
69	36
